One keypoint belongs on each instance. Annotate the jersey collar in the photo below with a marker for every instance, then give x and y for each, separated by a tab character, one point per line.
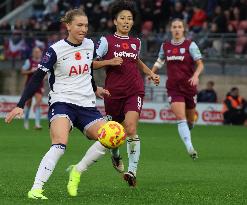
121	37
177	42
72	44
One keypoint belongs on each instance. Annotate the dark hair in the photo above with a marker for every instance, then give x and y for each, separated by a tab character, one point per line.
69	15
211	82
121	5
234	89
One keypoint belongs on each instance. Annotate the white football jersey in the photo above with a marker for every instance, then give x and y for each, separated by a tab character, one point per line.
69	72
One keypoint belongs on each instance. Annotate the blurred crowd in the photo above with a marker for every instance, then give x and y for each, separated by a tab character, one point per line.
206	19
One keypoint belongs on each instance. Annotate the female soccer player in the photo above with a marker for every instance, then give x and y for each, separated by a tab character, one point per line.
184	65
29	67
119	53
71	99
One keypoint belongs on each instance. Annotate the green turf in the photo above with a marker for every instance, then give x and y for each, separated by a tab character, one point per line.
166	174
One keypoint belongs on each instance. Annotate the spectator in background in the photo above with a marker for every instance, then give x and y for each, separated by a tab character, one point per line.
178	11
235	108
28	68
5	26
197	20
208	95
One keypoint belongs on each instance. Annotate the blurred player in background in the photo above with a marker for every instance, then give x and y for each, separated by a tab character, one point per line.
29	67
184	65
119	54
71	101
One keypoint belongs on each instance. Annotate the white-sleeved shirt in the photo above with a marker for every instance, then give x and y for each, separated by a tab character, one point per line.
69	72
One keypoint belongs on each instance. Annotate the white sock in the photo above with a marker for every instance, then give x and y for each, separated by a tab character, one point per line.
37	116
26	114
48	164
133	150
115	152
96	151
184	133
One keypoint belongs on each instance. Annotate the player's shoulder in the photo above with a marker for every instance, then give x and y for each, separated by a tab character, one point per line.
134	38
189	42
88	42
58	45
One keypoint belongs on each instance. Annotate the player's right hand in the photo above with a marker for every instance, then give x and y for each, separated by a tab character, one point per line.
116	61
16	112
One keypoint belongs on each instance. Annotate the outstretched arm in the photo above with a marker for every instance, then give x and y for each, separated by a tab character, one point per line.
157	65
194	80
32	86
111	62
142	66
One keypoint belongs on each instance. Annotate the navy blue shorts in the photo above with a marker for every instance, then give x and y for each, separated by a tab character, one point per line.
79	117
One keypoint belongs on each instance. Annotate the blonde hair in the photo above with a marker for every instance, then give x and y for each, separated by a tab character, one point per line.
69	15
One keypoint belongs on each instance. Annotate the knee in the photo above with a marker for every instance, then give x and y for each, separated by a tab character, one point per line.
180	117
130	129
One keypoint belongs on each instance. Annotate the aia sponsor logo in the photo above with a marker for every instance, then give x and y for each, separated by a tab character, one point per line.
167	115
148	114
77	70
212	116
78	56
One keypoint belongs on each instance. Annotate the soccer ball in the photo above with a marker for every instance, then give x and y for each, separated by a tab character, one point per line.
111	134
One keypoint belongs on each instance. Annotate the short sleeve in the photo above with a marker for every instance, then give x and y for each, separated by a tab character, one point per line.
48	60
26	65
101	47
194	51
161	54
140	47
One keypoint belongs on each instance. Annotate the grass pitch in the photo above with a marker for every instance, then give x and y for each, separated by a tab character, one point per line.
166	174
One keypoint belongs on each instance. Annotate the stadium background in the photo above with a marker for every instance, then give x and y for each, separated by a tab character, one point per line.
218	27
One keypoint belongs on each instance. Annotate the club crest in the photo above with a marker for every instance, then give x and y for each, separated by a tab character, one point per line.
182	50
133	46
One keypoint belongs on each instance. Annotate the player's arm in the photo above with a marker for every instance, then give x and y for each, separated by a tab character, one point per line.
154	77
25	68
48	61
29	91
117	61
197	57
100	52
160	60
99	91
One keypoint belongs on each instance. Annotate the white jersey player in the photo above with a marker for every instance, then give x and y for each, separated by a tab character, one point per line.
69	69
71	100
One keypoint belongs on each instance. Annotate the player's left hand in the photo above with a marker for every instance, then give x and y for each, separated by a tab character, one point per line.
194	80
155	78
101	92
16	112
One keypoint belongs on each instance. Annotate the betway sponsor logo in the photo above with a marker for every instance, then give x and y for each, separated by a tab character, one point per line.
212	116
175	58
125	54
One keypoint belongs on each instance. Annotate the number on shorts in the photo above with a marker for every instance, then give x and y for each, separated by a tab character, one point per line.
139	102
